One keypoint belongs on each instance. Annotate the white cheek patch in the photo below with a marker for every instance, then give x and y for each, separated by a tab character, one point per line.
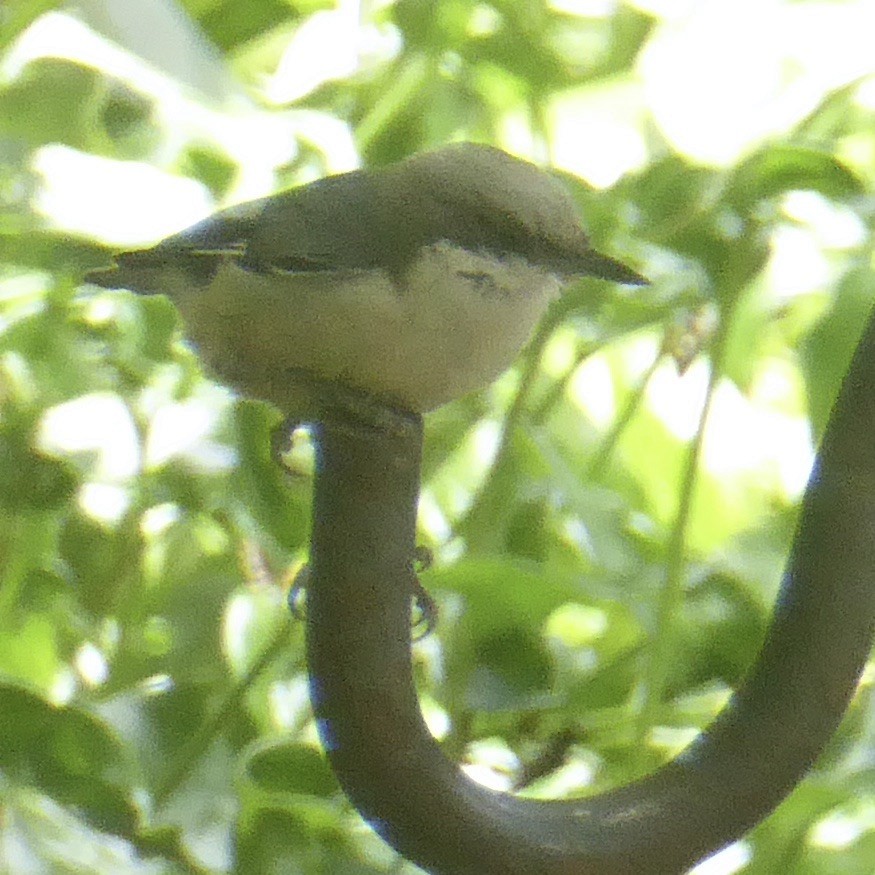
494	276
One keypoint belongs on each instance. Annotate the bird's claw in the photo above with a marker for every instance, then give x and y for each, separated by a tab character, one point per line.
297	593
282	438
426	606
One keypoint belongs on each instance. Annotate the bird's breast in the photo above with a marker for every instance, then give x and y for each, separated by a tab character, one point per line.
447	325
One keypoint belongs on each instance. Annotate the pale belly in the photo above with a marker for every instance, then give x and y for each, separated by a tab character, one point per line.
456	324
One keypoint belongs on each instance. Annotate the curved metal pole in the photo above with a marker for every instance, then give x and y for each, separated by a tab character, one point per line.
358	618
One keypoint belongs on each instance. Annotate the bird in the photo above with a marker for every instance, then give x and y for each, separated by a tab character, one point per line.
414	284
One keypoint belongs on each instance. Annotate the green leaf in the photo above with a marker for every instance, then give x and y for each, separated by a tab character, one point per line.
290	768
826	353
778	169
69	755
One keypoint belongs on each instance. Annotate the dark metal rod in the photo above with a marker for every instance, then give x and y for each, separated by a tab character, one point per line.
358	640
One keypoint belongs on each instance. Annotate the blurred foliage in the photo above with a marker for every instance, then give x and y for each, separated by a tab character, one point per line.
609	521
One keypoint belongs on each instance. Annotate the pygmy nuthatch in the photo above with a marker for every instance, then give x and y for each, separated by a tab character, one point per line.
416	283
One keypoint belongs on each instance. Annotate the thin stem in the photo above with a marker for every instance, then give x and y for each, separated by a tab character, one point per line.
633	402
25	529
479	524
558	388
671	597
202	739
410	79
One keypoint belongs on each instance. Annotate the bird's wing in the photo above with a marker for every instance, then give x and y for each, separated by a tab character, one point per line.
335	223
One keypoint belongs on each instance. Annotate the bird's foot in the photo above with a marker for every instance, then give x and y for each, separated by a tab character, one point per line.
320	401
282	439
425	605
339	404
